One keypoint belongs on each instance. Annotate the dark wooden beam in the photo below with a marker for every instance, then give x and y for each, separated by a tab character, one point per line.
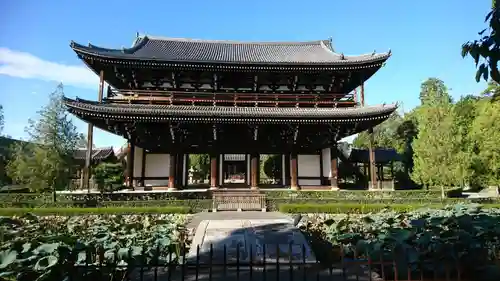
254	171
143	166
334	182
373	169
130	165
294	168
213	170
172	170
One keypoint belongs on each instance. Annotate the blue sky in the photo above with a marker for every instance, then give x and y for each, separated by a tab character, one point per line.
425	37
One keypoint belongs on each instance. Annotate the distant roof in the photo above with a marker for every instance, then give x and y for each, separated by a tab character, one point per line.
90	107
382	155
97	153
319	52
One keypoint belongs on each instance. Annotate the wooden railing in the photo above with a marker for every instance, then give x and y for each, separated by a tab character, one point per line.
234	99
238	201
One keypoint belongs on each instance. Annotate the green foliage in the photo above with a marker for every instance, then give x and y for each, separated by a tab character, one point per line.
385	135
438	156
1	120
484	136
348	208
486	51
420	243
109	176
111	210
43	164
41	248
201	164
272	166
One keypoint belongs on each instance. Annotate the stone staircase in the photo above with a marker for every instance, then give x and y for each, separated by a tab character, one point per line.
238	200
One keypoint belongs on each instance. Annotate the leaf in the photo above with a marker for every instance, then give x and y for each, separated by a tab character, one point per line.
47	248
7	258
46	262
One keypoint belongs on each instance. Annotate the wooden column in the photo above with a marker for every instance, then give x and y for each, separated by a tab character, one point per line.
373	168
362	94
87	173
321	176
294	184
143	166
171	173
130	165
334	181
178	169
287	169
254	171
213	171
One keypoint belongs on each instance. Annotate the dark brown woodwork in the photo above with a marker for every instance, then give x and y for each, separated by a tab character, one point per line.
213	171
321	177
143	166
294	171
172	170
362	94
287	169
254	171
130	165
178	169
101	86
334	182
373	169
88	157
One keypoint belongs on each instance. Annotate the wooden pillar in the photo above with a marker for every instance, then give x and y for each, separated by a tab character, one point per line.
334	181
287	169
294	184
178	169
373	168
321	176
171	173
254	171
130	165
143	166
87	173
213	170
362	94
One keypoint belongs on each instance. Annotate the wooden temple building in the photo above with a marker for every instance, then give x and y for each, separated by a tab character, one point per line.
174	97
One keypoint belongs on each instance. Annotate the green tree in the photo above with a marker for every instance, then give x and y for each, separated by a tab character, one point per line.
201	164
109	176
1	119
438	156
486	50
484	135
44	163
272	166
384	134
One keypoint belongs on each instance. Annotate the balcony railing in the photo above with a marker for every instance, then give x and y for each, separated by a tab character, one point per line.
233	99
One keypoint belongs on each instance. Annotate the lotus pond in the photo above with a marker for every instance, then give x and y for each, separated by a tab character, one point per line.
42	248
425	242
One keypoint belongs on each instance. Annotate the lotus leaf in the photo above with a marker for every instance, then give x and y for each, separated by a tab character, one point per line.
7	258
46	262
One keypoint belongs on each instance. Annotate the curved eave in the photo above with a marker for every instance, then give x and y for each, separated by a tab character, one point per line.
158	113
126	56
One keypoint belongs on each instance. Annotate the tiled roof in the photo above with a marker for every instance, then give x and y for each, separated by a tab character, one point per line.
228	111
97	153
381	155
207	51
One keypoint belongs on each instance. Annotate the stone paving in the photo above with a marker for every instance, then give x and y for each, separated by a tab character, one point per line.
249	239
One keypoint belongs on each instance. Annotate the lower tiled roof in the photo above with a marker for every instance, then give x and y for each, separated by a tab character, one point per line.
97	153
228	111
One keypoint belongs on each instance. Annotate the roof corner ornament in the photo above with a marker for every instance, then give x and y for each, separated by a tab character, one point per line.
374	53
137	34
389	52
342	56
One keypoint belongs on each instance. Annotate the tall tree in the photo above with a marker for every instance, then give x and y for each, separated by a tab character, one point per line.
45	162
486	51
1	119
438	158
484	135
201	164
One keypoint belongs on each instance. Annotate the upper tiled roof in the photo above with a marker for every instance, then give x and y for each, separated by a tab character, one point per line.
212	51
97	153
228	111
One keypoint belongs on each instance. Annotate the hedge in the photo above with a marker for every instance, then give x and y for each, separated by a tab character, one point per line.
361	194
95	211
354	208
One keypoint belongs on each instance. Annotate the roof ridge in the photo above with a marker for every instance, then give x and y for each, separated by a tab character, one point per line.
184	39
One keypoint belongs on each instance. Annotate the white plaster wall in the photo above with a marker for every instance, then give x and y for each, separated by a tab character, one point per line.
308	167
138	161
157	165
327	164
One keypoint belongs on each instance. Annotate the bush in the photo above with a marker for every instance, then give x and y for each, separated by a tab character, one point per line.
356	208
95	211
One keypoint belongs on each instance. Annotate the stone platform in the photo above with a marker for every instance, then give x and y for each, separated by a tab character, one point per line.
246	240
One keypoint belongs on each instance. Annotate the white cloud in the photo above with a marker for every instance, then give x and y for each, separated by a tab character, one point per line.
25	65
